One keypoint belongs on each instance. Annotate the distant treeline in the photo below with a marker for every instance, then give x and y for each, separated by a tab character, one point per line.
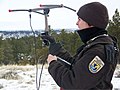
30	50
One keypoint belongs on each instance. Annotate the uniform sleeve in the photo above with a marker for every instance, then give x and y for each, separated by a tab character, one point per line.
80	76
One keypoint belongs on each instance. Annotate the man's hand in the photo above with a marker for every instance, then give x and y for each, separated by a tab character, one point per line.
54	47
51	58
48	38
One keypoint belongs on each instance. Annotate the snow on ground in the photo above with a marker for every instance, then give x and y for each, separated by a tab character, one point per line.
24	78
116	78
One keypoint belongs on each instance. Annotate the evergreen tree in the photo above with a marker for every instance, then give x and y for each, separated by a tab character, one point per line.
114	27
7	52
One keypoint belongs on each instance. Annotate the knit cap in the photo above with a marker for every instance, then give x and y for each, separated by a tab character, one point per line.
95	14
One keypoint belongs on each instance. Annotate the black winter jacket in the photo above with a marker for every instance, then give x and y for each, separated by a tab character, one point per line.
91	68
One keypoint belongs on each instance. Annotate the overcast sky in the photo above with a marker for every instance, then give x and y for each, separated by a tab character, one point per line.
58	18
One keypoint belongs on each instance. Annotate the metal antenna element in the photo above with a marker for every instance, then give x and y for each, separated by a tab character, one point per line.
28	10
56	6
46	12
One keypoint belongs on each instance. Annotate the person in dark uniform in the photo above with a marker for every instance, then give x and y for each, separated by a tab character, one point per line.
94	63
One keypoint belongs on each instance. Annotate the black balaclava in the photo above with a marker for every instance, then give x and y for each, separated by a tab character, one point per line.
89	33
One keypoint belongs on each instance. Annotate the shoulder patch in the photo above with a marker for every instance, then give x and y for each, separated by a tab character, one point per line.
96	65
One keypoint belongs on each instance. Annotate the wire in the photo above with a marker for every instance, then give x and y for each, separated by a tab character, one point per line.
36	61
41	73
37	84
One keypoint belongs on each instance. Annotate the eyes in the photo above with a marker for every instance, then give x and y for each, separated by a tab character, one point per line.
79	19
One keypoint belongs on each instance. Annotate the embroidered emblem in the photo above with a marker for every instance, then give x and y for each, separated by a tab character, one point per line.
96	65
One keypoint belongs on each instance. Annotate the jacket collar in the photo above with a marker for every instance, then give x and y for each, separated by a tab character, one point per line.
90	33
